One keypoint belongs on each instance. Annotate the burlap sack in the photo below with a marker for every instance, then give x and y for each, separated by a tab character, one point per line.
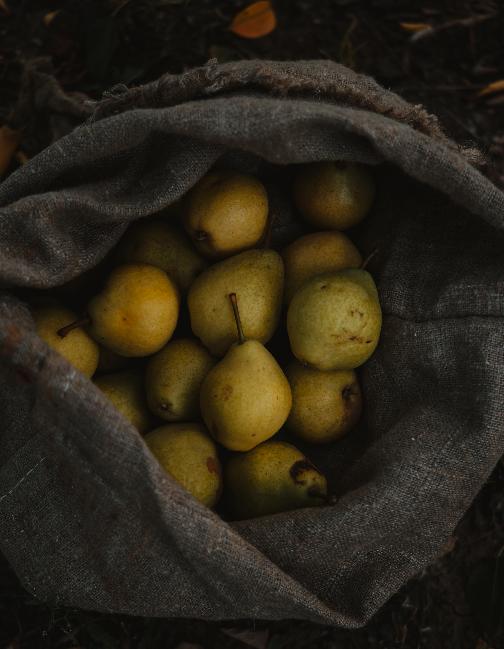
88	518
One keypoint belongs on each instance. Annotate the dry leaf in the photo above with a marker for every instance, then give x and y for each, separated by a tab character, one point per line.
9	142
48	18
255	639
415	27
255	21
4	7
495	86
188	645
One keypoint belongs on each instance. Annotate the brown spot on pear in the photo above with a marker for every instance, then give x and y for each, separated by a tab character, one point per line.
273	477
188	454
322	329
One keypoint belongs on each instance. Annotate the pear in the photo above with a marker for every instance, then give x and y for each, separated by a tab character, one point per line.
137	311
334	320
186	452
226	213
245	398
314	254
273	477
257	277
173	379
77	347
162	245
334	195
325	405
125	390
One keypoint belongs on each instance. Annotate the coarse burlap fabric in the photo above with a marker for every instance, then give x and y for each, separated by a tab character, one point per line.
88	518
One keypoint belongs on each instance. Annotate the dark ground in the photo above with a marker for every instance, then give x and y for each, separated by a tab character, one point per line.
459	601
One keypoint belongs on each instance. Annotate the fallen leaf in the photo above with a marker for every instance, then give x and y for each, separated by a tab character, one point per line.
48	18
255	21
4	7
9	142
188	645
415	27
495	86
255	639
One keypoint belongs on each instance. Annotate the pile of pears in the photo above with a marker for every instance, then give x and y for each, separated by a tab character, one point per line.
181	337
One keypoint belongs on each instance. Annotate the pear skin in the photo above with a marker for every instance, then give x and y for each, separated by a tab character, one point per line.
125	390
137	311
187	453
334	320
226	213
256	276
246	398
165	246
315	254
274	477
325	405
173	379
334	195
77	347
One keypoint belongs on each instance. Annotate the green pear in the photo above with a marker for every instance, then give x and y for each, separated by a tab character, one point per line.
186	452
315	254
245	398
273	477
334	195
77	347
125	390
257	277
226	213
334	320
162	245
137	311
173	379
325	405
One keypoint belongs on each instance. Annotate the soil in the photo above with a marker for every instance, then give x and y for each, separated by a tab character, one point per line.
90	47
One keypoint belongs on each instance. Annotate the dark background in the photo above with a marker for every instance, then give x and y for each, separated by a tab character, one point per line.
92	46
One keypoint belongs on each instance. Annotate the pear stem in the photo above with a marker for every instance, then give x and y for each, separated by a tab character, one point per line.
368	259
236	312
81	322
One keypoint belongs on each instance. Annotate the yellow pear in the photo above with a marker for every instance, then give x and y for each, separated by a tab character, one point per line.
334	320
187	453
173	379
137	311
334	195
125	390
227	212
77	347
162	245
273	477
325	405
314	254
257	277
245	398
